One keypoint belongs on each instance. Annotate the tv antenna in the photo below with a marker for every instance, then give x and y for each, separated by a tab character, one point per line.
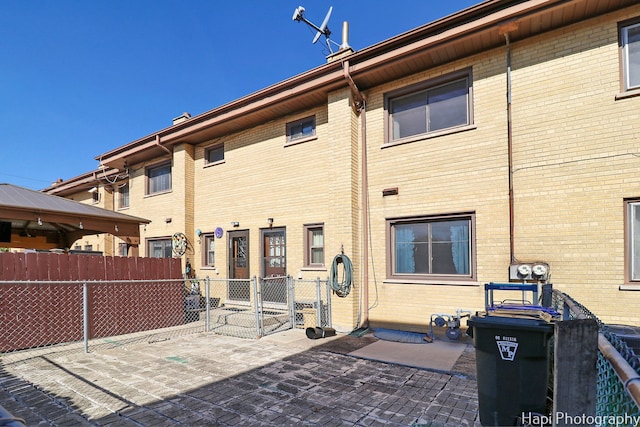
323	29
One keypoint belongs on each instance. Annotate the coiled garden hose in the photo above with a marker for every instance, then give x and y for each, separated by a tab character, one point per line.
343	287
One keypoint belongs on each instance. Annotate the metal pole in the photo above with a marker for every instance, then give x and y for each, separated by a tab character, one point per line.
257	306
85	316
292	298
207	304
318	303
329	319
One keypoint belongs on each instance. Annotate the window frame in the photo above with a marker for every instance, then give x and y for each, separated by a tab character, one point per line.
295	138
308	246
148	178
629	230
124	200
623	31
391	223
212	149
425	87
206	238
166	243
123	249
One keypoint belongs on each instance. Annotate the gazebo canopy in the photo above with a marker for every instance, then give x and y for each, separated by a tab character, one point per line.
32	219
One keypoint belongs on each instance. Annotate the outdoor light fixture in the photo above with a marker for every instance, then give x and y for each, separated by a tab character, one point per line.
235	224
81	226
270	221
39	221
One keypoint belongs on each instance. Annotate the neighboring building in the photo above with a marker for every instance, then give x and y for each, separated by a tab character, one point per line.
438	160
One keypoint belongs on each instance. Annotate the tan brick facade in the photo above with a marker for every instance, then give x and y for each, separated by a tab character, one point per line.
575	161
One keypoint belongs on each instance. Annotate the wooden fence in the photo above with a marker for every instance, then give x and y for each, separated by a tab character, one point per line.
42	301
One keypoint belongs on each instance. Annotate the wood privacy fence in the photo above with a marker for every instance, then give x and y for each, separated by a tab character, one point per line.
47	266
48	298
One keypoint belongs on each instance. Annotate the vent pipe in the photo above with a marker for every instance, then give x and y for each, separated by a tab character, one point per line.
345	36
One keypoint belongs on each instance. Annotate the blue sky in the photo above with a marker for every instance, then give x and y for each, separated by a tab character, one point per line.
80	78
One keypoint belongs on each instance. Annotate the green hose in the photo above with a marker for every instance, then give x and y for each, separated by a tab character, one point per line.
342	288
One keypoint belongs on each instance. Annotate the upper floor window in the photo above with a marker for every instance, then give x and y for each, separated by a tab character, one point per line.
630	41
95	195
159	178
123	196
429	107
301	129
314	245
421	248
214	154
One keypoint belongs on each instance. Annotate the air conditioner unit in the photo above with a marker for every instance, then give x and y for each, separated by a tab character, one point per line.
536	271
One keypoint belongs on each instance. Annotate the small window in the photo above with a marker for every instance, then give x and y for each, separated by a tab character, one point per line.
301	129
123	249
159	248
422	248
123	196
96	196
429	107
214	155
314	245
630	42
159	178
88	247
209	250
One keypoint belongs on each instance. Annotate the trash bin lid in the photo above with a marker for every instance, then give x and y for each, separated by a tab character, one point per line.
524	309
530	320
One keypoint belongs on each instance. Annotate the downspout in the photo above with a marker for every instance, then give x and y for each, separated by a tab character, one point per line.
162	146
505	31
359	106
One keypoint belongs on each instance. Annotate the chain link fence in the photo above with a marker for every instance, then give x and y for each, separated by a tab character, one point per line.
46	314
617	370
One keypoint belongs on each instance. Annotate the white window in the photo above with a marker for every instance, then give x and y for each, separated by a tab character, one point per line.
630	40
429	107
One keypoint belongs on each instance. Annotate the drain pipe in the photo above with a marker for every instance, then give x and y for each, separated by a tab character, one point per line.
504	30
162	146
360	104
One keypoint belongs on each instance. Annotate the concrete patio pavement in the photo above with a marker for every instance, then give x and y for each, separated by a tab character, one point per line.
206	379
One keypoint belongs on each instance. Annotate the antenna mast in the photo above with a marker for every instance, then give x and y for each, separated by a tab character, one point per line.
323	29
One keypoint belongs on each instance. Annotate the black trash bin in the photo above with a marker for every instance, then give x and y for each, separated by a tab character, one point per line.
512	362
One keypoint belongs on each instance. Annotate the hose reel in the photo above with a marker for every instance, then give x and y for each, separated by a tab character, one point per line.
342	288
